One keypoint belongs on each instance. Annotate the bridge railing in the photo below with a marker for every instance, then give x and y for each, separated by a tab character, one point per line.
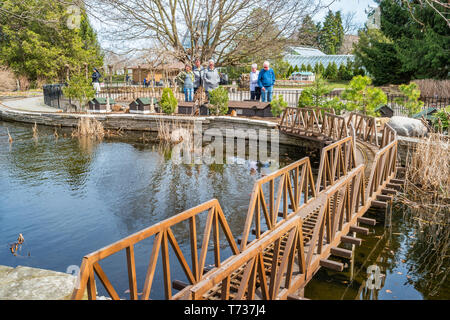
388	135
344	202
291	267
295	188
365	127
163	236
384	168
339	198
285	243
305	120
336	161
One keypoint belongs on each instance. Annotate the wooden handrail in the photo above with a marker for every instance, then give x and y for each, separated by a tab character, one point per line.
365	127
163	237
336	160
295	189
250	263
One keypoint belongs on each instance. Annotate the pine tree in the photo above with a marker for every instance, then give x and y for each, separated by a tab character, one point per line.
420	37
309	68
339	30
289	72
308	33
332	71
331	35
303	68
321	68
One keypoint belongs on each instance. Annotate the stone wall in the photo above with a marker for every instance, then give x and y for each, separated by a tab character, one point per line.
150	123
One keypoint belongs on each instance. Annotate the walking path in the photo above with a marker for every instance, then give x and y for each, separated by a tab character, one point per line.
34	104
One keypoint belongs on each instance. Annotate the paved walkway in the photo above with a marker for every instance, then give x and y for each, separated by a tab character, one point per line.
35	104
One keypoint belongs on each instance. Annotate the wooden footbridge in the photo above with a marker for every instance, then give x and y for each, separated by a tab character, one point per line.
295	224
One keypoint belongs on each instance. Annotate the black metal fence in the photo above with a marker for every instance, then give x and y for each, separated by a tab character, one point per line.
53	94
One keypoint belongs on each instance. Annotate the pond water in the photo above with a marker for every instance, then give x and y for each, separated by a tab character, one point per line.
69	197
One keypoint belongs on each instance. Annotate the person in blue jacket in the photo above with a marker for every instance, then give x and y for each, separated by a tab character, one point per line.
266	81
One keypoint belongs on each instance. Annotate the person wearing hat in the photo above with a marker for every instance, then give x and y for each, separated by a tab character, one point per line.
96	80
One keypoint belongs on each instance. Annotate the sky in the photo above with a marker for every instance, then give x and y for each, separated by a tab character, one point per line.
358	6
345	6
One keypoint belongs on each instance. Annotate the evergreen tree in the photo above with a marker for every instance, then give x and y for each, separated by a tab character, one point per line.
321	68
339	29
421	38
331	35
309	68
333	72
289	72
296	68
342	72
378	55
308	33
40	45
316	68
303	68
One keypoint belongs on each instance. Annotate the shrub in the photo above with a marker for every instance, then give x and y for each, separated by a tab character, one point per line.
335	104
363	98
278	105
412	103
79	88
168	101
314	96
444	116
218	98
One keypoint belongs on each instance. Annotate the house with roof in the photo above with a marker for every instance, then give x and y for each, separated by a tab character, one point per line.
298	56
158	71
303	76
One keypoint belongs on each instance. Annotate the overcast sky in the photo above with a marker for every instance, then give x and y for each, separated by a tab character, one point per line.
358	6
345	6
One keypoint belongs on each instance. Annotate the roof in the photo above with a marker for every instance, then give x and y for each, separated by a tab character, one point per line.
177	65
305	51
425	113
297	60
101	100
303	73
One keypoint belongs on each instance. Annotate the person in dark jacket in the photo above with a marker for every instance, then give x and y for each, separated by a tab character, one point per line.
266	81
96	80
198	71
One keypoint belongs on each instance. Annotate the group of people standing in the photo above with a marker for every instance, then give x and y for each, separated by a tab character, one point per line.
262	82
198	76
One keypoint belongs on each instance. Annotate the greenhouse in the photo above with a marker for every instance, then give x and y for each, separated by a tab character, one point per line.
298	56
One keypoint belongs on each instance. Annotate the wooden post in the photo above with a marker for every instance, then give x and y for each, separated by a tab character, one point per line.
139	74
86	70
110	67
67	72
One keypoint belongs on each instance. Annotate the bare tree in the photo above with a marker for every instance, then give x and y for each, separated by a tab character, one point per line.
349	23
226	30
442	7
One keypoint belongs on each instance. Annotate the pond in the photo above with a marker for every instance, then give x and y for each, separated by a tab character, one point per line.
69	197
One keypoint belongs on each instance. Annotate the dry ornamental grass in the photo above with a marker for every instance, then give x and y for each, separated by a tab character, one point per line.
89	127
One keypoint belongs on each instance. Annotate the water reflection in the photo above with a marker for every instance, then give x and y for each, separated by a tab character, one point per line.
70	197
